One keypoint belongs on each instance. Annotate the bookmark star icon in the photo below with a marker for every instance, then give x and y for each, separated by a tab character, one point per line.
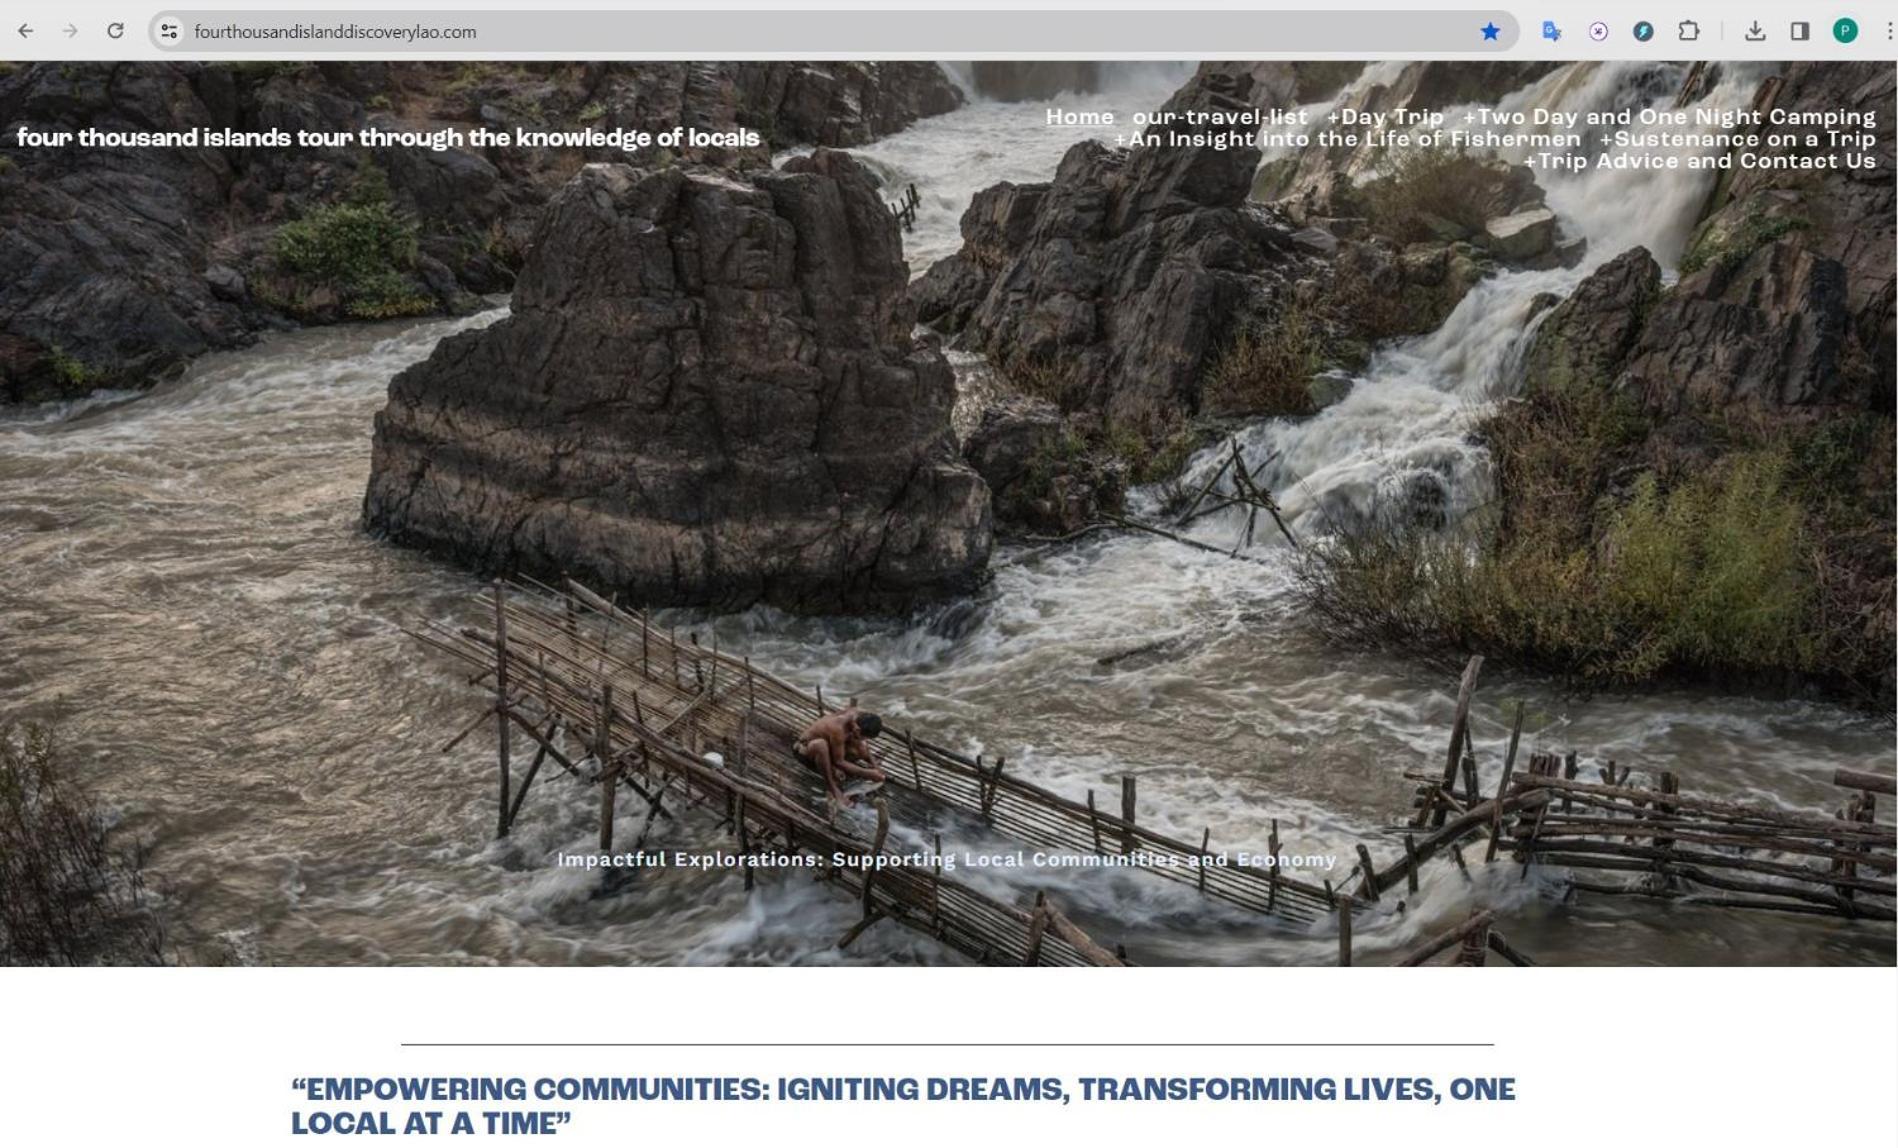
1489	30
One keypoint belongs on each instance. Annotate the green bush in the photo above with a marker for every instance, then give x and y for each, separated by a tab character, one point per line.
1267	367
1714	572
360	248
1421	189
386	295
1039	376
346	243
1712	576
72	373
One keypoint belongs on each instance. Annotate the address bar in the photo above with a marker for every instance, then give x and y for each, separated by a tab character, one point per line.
832	34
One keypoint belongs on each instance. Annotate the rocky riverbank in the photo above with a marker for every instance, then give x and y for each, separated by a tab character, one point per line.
117	266
1696	479
1145	296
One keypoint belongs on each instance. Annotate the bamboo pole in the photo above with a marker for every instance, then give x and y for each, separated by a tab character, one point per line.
1682	802
1459	729
1170	536
533	770
1272	874
1058	924
1475	948
1832	901
739	762
1508	952
1466	823
1036	929
882	807
1477	921
1344	933
1127	813
1258	499
1675	859
1603	816
609	770
1367	884
1716	833
1868	781
501	733
1186	516
1502	784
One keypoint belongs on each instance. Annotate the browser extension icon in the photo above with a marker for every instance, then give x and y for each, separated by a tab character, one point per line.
1550	31
1690	30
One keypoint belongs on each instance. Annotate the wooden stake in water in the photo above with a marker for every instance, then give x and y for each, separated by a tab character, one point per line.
609	774
1127	813
1344	933
500	702
1432	810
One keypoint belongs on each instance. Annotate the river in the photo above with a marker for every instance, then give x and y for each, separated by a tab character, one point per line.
187	589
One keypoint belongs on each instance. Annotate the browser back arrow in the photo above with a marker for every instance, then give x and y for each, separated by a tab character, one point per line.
24	31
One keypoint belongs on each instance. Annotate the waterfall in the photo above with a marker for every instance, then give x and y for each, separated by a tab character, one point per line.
1404	430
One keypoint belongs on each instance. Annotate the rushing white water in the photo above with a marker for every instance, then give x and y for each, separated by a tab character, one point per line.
1406	422
951	157
185	580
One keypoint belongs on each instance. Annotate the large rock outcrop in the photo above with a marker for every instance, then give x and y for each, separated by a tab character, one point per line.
1756	389
1809	249
120	264
1587	339
1110	287
1785	298
707	393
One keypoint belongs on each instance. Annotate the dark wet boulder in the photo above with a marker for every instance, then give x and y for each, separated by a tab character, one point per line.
1773	331
707	394
1110	287
1043	476
1586	339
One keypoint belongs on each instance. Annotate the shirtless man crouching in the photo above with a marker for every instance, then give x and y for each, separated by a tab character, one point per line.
838	745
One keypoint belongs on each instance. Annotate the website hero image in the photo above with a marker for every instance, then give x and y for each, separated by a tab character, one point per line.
871	494
1071	507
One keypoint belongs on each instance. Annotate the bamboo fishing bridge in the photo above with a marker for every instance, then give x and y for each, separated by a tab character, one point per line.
666	728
